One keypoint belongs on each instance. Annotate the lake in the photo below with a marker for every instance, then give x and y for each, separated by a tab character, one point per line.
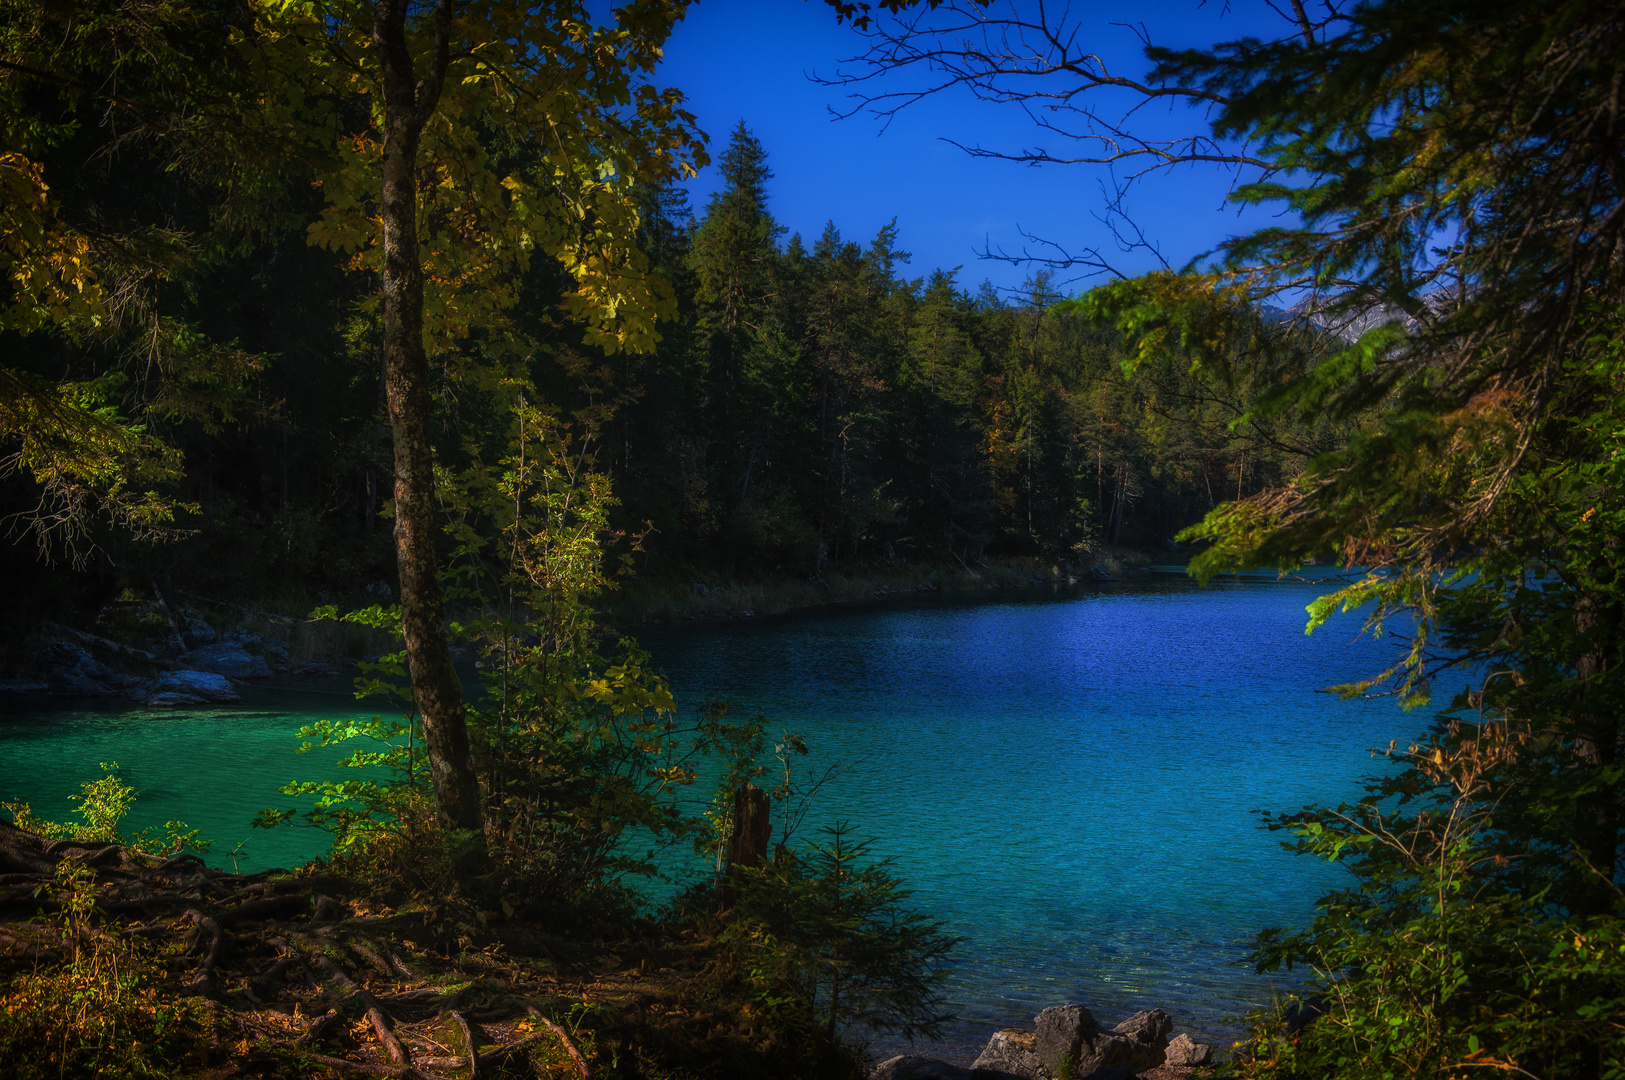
1065	776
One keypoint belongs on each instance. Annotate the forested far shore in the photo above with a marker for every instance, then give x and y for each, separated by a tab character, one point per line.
810	409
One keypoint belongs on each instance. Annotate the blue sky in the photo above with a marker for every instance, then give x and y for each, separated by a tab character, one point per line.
737	59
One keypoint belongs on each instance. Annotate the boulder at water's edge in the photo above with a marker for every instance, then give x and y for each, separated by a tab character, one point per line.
191	688
227	658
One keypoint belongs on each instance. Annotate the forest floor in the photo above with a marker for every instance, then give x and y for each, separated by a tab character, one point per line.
120	964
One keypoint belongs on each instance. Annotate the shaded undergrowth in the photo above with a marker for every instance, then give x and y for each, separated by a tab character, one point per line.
119	962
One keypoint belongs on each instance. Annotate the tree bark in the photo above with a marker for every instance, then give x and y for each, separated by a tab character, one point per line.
747	843
409	101
1597	745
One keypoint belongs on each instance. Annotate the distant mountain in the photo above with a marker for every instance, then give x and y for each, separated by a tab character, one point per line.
1348	326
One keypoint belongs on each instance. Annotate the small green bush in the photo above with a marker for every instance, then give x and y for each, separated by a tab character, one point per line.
835	929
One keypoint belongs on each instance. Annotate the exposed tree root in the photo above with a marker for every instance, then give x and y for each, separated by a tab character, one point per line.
260	985
404	1072
496	1054
375	1012
210	942
468	1041
564	1037
318	1027
284	964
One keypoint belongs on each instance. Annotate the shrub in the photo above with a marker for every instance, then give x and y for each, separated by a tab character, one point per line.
834	929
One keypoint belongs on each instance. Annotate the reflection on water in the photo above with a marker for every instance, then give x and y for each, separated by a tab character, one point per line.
1065	778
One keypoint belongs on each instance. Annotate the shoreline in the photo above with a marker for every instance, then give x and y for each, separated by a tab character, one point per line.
669	605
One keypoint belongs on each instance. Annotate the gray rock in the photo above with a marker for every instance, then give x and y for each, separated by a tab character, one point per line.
199	630
70	671
1100	573
1147	1026
1071	1031
1013	1051
1062	1030
227	658
915	1067
1110	1056
198	687
1187	1053
69	684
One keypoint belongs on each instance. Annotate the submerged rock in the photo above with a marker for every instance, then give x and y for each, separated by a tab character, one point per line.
227	658
317	668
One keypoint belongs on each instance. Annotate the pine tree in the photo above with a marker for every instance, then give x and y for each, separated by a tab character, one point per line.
835	926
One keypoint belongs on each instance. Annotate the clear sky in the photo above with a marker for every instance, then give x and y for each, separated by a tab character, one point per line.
752	60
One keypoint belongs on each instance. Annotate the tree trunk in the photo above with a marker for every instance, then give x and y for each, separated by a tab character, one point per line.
1597	743
408	104
747	843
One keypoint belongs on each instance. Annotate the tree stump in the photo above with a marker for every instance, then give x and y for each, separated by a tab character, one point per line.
747	844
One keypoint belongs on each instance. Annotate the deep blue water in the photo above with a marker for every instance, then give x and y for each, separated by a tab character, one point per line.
1065	778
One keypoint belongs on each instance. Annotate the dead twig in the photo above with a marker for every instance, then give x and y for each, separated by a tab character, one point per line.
496	1054
403	1072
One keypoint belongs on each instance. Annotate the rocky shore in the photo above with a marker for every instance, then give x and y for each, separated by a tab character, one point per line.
181	660
1067	1042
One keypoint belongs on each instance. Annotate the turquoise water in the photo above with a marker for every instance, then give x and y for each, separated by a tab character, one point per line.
212	768
1065	777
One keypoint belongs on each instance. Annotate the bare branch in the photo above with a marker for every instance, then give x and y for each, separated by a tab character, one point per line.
1035	59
